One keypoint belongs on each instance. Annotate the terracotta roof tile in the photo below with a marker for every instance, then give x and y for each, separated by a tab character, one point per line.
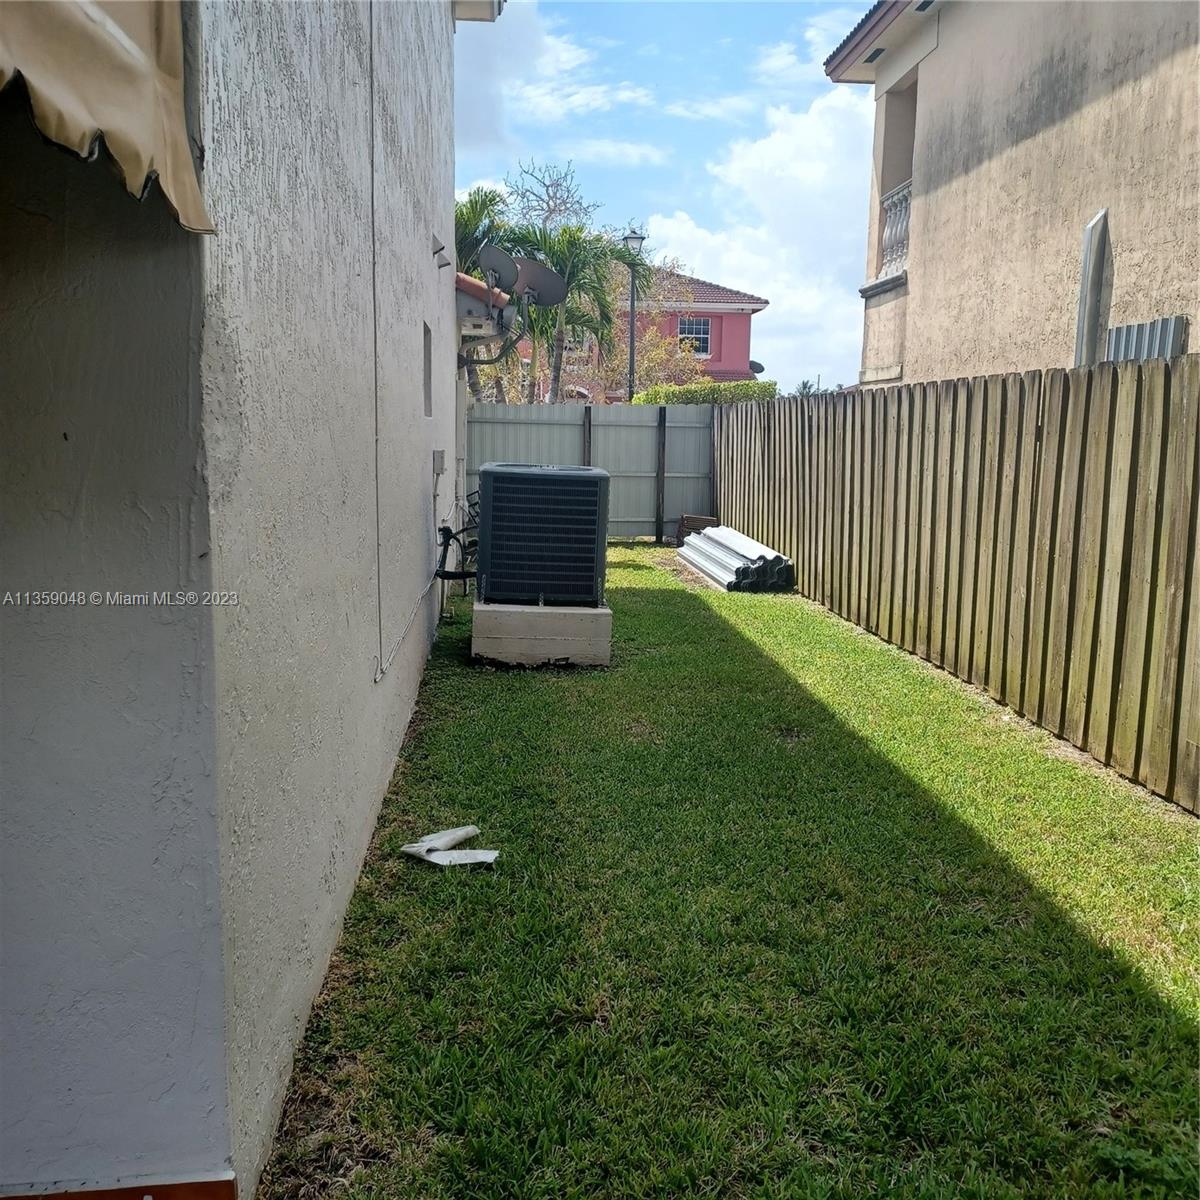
690	289
883	11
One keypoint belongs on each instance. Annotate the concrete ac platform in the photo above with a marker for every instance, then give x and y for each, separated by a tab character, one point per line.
533	635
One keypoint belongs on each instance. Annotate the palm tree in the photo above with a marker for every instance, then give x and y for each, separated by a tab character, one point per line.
479	219
585	261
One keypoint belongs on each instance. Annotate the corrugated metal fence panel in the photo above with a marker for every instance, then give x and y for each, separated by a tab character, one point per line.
624	443
538	435
1036	534
689	487
1162	338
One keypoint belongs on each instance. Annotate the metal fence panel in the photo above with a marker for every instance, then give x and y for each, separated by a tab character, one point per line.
545	435
689	484
624	442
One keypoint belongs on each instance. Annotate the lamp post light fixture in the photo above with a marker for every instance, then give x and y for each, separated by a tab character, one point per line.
633	243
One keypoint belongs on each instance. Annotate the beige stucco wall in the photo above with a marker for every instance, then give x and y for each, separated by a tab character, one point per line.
188	792
306	737
112	1056
1031	118
884	327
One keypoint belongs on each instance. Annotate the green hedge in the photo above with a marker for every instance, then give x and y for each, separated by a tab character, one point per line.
708	392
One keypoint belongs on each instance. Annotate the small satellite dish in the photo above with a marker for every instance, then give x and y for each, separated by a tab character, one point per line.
495	262
538	283
756	367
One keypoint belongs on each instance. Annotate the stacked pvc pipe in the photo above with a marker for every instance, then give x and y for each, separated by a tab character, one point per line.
737	563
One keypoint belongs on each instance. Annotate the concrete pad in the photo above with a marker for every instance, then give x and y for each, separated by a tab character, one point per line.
534	635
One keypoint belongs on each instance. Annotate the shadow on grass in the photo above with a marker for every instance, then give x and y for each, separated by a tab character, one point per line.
730	950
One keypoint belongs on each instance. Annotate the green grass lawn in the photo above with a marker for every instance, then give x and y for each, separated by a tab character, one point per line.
780	912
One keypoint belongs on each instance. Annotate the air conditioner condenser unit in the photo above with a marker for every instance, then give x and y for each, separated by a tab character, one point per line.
540	560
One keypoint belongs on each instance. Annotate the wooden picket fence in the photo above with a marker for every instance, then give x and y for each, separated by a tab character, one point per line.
1035	534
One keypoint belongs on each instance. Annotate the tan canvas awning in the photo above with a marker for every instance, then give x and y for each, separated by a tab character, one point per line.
96	68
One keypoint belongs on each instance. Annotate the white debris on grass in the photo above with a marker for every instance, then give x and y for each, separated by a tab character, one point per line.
438	848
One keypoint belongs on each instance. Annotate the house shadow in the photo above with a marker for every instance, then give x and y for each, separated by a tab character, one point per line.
750	955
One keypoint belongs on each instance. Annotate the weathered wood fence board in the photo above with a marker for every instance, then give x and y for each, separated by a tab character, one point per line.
1033	533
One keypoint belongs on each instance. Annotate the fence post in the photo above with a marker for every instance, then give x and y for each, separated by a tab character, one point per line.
714	458
587	435
660	475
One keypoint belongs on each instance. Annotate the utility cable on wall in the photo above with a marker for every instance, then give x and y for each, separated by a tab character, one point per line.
375	326
382	662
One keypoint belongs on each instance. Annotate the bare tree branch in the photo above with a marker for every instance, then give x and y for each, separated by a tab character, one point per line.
547	195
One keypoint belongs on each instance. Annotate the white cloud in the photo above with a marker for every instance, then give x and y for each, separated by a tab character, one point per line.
824	31
784	66
609	152
560	54
496	185
795	232
780	68
547	103
717	108
522	70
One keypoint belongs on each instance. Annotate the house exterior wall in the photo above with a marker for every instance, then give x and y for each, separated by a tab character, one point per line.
111	990
729	338
1029	119
189	792
306	738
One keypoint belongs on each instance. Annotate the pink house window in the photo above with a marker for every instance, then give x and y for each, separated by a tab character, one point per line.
697	331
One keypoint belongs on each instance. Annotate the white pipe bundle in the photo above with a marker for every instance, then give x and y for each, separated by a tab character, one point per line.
736	562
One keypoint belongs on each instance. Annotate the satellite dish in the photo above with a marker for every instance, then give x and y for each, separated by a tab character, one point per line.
756	367
495	262
538	283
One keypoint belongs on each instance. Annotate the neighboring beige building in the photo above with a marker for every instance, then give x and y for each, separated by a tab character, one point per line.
229	454
1001	130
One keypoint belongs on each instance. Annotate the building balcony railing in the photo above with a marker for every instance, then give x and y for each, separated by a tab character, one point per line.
894	243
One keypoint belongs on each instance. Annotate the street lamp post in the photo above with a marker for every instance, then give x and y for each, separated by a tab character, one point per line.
633	243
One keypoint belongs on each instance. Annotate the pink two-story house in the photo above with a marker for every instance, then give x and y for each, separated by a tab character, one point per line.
714	320
710	321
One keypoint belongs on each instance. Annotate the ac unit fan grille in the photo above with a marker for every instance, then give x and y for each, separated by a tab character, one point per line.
545	537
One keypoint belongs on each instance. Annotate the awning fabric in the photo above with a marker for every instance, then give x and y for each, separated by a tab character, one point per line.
97	68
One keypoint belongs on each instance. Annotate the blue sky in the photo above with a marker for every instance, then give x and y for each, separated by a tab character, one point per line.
711	125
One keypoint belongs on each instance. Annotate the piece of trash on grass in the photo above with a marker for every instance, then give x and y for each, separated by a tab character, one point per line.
437	848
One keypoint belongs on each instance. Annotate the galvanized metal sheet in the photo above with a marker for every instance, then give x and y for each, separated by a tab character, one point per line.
624	443
1161	338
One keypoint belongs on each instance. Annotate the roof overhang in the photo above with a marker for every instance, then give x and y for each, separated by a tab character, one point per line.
479	291
886	25
476	10
699	308
484	313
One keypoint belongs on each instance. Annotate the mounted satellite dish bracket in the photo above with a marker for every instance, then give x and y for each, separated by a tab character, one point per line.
506	346
528	282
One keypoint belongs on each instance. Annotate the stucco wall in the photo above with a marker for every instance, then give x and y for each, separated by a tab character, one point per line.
884	328
728	336
733	351
1031	118
111	993
306	738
